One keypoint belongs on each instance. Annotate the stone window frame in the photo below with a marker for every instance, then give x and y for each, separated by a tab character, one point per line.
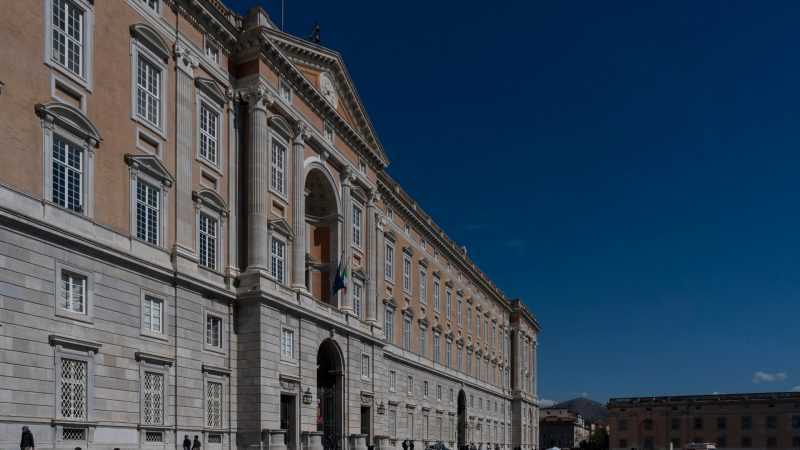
389	333
408	338
284	83
60	82
358	230
221	376
422	284
204	100
210	43
408	278
388	269
88	317
75	349
85	79
448	303
392	376
210	203
160	365
162	180
293	359
221	350
410	385
144	293
368	367
284	274
157	53
360	284
278	138
437	293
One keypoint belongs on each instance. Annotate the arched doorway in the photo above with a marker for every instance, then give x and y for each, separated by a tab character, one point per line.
322	225
330	394
462	419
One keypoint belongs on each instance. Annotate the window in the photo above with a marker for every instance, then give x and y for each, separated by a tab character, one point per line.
365	366
471	401
439	392
67	174
425	388
73	292
423	344
388	263
469	320
278	260
796	422
214	404
436	294
459	304
436	346
772	422
362	166
357	226
68	38
722	423
278	167
698	423
747	422
478	327
675	424
208	241
148	210
410	385
212	52
286	91
287	344
423	286
452	395
152	4
469	361
357	295
153	398
392	422
392	381
73	388
448	302
153	314
209	135
328	132
459	353
407	230
448	352
389	324
406	273
213	331
407	333
148	91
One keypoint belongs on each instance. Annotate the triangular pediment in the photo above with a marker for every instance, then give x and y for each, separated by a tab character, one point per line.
281	226
212	89
152	166
312	62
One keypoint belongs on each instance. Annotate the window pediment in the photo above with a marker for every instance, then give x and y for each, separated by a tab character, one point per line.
152	39
152	166
281	125
71	119
282	227
212	89
77	344
211	199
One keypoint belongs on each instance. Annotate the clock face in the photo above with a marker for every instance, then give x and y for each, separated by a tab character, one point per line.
327	89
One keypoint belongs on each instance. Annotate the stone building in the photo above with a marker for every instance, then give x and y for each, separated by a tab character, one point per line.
730	421
562	428
179	187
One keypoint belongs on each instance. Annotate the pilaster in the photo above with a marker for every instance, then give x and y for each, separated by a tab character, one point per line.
258	162
372	233
184	109
298	208
347	236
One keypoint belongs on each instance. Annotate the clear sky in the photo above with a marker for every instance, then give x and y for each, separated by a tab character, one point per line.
630	169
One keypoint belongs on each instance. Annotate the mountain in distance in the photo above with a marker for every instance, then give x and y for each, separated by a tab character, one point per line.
590	410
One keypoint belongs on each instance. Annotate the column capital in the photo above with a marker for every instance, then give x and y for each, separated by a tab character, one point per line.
258	97
301	132
347	176
185	60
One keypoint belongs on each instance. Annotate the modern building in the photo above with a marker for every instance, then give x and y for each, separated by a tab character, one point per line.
562	428
183	192
730	421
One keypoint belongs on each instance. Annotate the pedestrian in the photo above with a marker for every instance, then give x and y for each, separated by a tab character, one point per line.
187	443
405	444
26	442
196	444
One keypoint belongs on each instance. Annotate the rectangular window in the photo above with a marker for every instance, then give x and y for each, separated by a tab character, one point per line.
357	296
287	344
436	346
469	362
73	383
286	91
213	331
469	320
392	422
153	314
459	353
425	388
278	167
436	294
208	241
74	292
423	286
153	398
389	324
722	423
747	422
212	52
214	404
209	133
448	353
148	199
410	385
448	303
477	327
439	392
406	273
423	344
407	333
68	37
278	260
772	422
67	175
364	366
392	381
459	304
796	422
148	91
328	132
357	226
388	262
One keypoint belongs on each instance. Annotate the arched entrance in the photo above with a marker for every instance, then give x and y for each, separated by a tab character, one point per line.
330	394
462	419
322	224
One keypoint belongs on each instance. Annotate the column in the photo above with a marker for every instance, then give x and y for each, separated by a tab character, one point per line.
347	236
380	259
233	179
298	208
372	271
258	180
184	207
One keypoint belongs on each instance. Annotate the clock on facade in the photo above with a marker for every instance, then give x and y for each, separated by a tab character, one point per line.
327	89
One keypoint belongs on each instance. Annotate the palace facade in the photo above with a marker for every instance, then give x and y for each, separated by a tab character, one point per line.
181	190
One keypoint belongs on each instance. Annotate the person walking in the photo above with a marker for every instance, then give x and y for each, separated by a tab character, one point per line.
26	441
196	444
187	443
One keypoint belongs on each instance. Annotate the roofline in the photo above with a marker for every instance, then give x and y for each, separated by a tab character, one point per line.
625	401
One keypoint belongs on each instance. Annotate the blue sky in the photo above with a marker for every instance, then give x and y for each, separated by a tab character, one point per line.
631	169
